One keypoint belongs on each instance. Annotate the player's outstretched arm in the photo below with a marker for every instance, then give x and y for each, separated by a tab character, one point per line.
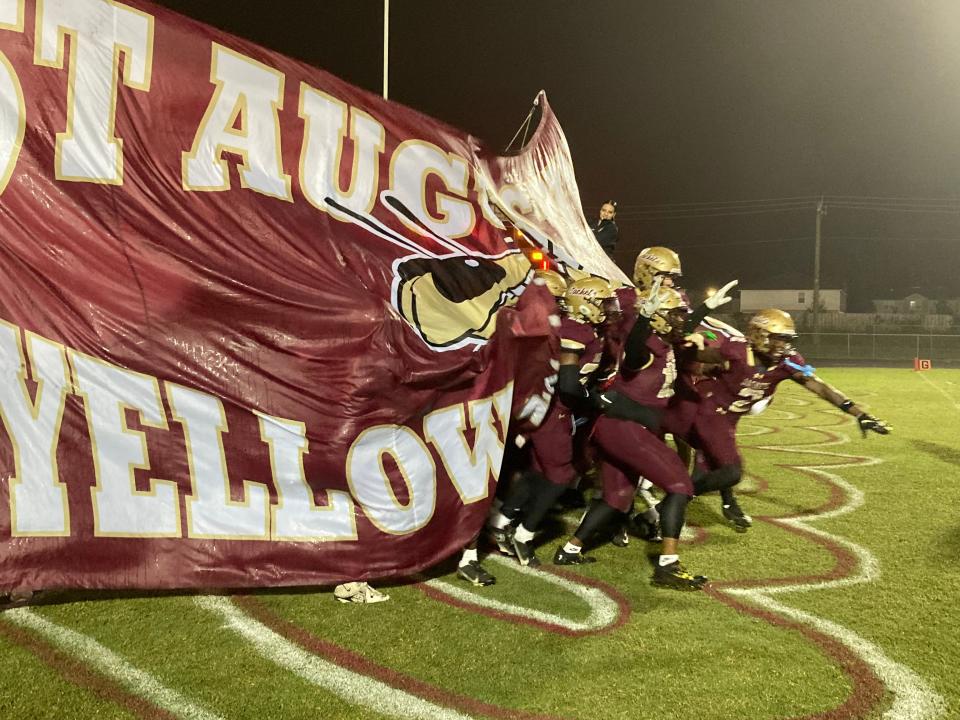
833	396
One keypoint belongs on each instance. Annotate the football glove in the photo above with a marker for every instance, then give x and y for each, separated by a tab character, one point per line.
651	303
869	422
535	408
720	297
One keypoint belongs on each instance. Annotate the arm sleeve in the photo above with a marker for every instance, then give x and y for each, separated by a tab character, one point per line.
571	392
695	318
636	353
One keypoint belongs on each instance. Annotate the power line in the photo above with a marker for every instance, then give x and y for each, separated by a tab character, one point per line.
900	209
719	212
719	208
733	243
887	238
715	203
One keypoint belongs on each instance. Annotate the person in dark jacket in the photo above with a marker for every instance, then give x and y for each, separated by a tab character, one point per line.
605	229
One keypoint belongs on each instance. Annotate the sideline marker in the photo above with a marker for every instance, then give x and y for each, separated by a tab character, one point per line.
922	364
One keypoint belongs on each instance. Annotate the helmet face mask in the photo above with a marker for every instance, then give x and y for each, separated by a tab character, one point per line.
611	309
668	320
771	332
588	299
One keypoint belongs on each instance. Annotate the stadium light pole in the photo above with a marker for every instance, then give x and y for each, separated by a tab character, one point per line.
386	47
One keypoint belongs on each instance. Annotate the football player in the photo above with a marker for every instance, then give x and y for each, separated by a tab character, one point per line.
629	450
469	567
749	370
653	263
584	306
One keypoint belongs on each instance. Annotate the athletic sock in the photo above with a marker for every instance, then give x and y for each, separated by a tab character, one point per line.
668	560
498	520
468	557
521	534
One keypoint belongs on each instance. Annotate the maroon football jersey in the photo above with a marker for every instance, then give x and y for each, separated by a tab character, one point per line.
653	385
744	384
581	338
614	335
692	373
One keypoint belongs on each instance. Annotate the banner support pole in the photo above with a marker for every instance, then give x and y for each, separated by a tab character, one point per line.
386	46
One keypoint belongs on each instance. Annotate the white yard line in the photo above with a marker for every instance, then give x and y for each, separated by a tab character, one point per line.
604	610
914	698
350	686
85	648
928	381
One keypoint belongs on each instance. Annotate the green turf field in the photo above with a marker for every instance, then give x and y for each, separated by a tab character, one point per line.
841	602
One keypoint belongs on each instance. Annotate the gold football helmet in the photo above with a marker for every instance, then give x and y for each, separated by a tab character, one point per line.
671	314
586	299
771	323
654	261
554	281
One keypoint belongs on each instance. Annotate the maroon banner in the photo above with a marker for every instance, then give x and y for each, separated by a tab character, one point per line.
257	326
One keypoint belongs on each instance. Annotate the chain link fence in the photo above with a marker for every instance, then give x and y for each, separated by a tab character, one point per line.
879	347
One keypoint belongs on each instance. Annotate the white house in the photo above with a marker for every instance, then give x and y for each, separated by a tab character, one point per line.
791	300
915	304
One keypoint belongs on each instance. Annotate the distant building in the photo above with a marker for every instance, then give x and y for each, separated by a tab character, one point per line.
915	304
791	300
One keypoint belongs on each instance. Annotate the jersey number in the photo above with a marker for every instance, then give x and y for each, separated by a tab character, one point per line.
669	376
750	396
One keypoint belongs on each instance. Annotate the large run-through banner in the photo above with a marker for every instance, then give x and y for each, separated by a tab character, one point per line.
257	326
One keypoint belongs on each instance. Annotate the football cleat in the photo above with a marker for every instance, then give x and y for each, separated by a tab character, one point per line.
675	577
473	572
647	529
564	558
503	537
738	518
525	553
621	538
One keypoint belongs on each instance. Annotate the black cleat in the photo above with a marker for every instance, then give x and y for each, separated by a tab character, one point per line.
621	538
525	553
643	527
473	572
735	516
675	577
503	537
564	558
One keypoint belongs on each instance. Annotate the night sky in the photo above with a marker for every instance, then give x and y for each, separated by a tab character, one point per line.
691	113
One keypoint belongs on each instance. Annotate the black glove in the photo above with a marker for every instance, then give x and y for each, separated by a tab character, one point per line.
869	422
620	407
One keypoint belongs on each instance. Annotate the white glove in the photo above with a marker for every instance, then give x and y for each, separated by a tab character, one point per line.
759	407
535	409
720	297
358	592
651	303
695	340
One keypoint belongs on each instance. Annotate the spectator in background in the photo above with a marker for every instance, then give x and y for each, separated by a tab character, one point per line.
605	229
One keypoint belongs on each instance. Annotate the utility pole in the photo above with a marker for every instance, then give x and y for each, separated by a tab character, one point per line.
386	46
821	211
